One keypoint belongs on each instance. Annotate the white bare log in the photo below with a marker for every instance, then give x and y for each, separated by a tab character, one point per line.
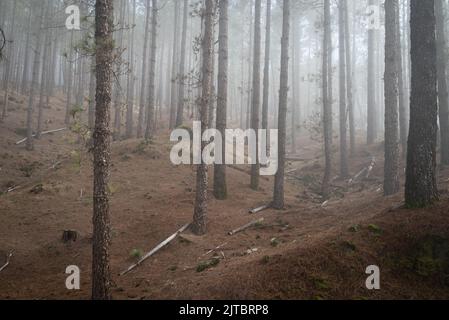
260	209
246	226
215	249
8	259
370	168
42	134
156	249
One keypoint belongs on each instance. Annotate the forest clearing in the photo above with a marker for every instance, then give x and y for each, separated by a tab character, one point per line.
118	118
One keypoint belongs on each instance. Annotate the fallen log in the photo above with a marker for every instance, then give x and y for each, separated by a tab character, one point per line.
246	226
42	134
156	249
215	249
365	171
370	168
8	259
260	209
357	176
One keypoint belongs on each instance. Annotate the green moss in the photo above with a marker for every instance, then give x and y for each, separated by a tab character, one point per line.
321	284
136	253
348	245
375	229
428	257
208	264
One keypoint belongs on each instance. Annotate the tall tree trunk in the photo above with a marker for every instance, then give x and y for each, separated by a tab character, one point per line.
391	168
421	187
140	121
118	101
327	107
24	86
352	133
181	88
9	63
266	71
344	171
149	132
220	189
101	274
294	83
372	108
68	108
34	83
131	81
173	97
443	99
199	225
44	75
278	199
92	86
401	87
255	108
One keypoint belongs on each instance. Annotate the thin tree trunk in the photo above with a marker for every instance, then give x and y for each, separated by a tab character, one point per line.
118	101
9	63
372	108
199	225
327	107
173	98
266	72
352	133
402	102
443	99
220	189
149	132
180	113
344	171
278	199
24	86
34	83
70	80
130	94
391	168
255	109
101	274
140	121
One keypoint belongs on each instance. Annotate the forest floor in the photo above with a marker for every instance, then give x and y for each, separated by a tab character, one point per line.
307	251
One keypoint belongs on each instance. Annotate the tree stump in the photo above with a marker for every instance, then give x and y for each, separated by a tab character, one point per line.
69	236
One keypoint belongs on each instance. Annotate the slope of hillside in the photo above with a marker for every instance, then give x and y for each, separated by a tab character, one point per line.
310	250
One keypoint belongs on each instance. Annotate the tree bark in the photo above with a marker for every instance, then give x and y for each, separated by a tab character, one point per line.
349	80
142	100
181	88
149	132
101	275
220	188
131	81
266	71
278	199
327	107
255	106
372	108
421	187
34	83
199	225
443	99
391	167
344	170
173	97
